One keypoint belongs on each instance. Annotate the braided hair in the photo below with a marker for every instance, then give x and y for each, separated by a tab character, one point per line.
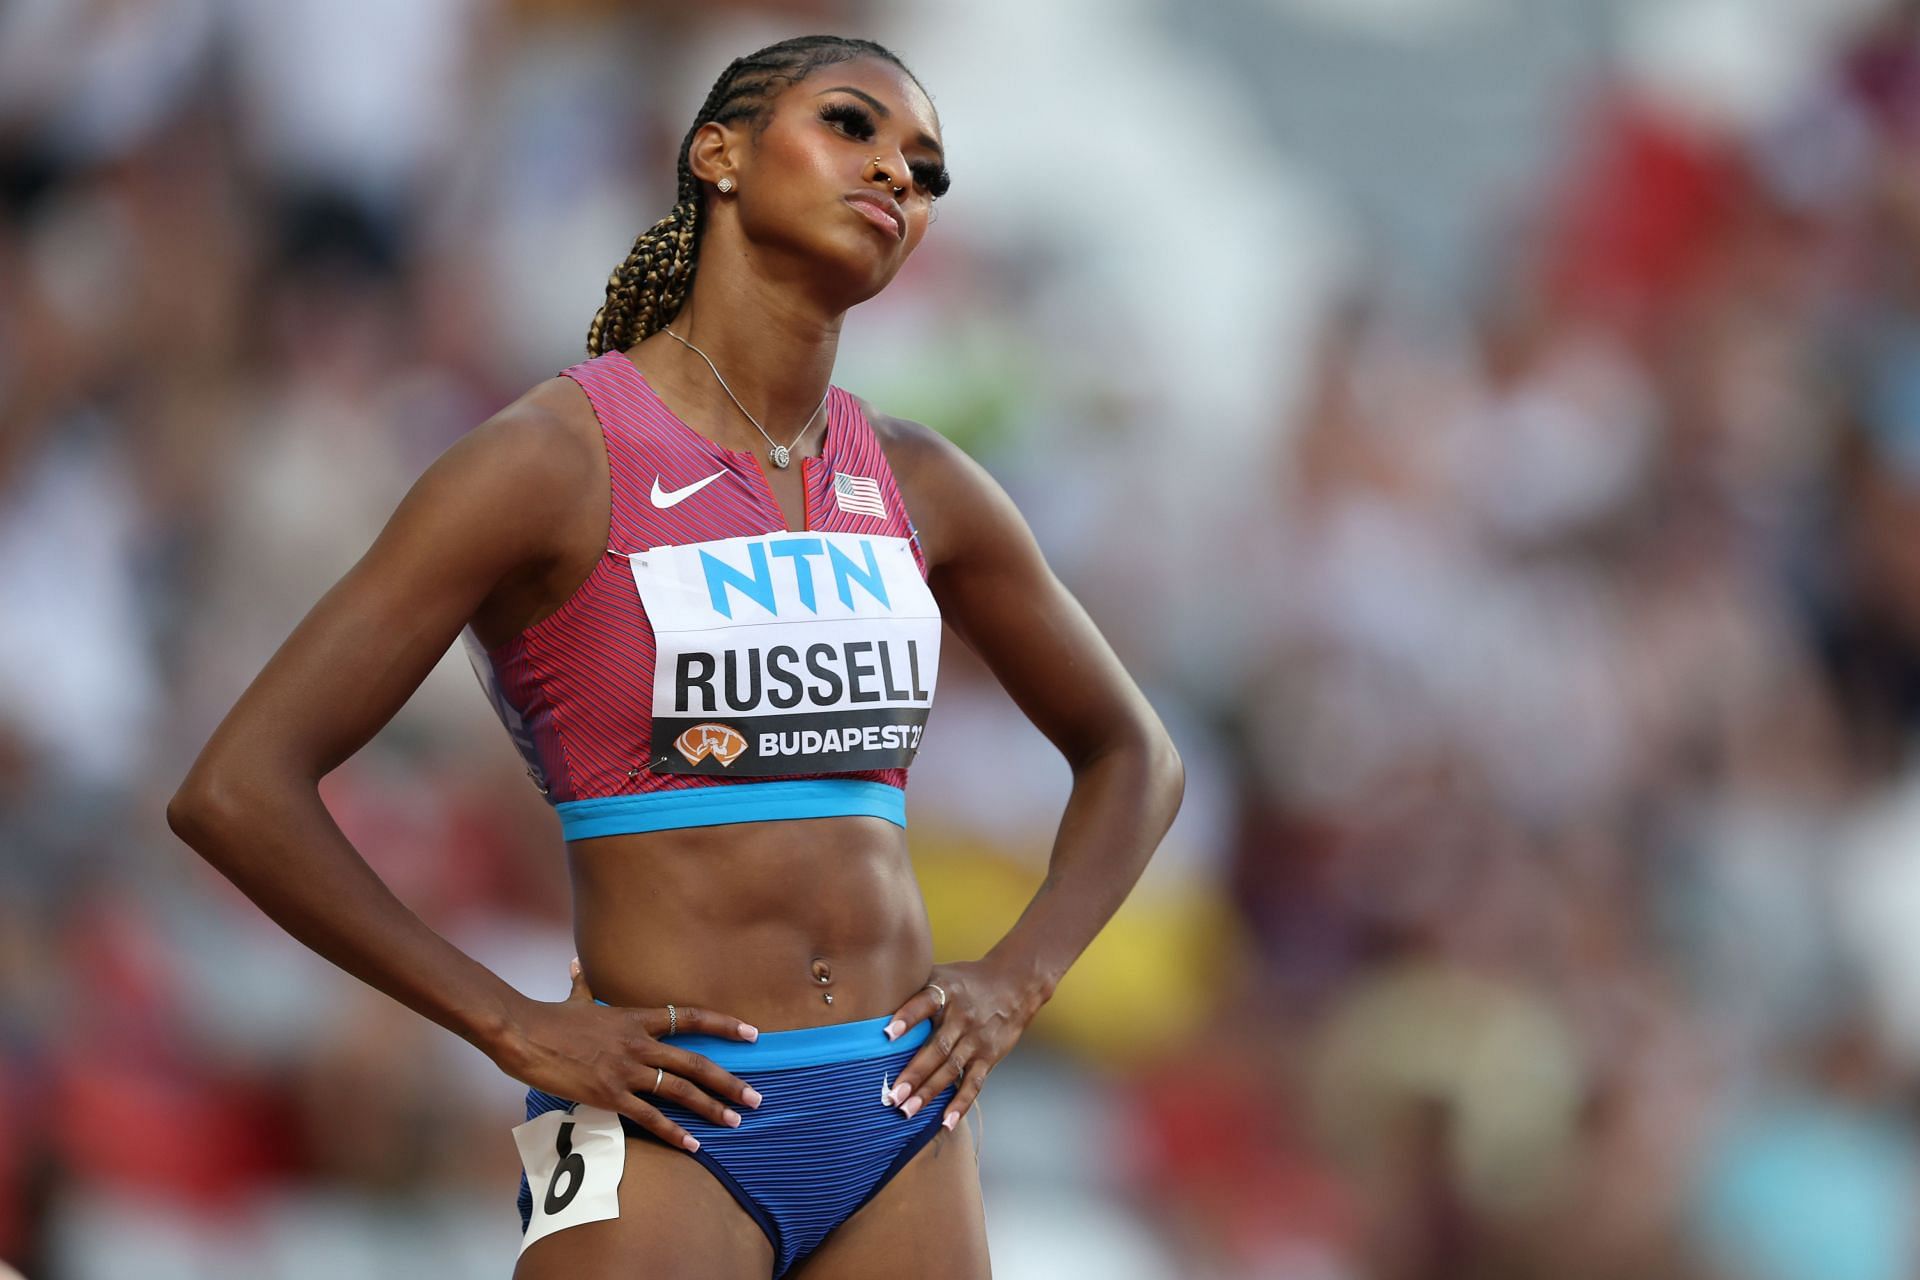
650	286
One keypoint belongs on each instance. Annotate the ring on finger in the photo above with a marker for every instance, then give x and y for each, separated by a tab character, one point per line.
941	992
659	1074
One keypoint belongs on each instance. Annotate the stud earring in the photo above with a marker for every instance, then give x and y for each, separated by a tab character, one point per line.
725	185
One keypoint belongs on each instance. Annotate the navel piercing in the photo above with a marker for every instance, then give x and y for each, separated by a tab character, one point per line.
725	185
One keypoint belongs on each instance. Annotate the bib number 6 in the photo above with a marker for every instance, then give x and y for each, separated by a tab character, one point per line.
573	1161
572	1166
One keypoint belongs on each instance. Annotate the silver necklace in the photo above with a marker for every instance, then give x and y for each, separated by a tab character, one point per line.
780	454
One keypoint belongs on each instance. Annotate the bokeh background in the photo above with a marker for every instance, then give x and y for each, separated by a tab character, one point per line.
1489	429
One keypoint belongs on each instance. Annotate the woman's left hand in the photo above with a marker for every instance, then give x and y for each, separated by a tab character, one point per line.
987	1009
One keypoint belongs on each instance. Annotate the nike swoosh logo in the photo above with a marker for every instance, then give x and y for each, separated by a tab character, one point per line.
668	497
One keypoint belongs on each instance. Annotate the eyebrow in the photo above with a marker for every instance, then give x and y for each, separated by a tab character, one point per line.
881	110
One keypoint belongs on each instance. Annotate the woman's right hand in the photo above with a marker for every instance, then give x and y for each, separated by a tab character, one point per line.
605	1056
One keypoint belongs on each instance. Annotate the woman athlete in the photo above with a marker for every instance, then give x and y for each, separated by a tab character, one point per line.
686	573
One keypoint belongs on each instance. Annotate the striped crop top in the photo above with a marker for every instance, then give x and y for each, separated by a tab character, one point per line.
715	667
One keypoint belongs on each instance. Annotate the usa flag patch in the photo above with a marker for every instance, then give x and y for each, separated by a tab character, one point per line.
858	494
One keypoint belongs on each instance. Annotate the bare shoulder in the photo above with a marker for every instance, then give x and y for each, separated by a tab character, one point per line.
912	448
528	470
548	434
532	486
957	506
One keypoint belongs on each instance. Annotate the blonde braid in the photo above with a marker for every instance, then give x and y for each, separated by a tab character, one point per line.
650	286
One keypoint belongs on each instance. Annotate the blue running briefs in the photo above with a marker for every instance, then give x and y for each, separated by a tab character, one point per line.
820	1144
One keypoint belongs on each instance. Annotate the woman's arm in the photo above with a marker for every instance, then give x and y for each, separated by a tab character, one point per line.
494	509
997	593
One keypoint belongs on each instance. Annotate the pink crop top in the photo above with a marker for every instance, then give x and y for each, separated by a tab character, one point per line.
716	667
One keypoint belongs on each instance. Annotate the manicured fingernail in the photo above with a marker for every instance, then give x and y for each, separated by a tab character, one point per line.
912	1106
691	1143
951	1116
731	1116
894	1029
749	1031
573	967
899	1092
751	1097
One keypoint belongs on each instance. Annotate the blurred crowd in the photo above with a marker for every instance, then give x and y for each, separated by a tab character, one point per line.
1544	652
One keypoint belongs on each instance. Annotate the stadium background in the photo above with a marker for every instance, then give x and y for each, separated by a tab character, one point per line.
1490	429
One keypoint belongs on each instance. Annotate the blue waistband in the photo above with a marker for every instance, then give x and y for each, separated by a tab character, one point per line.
803	1046
732	802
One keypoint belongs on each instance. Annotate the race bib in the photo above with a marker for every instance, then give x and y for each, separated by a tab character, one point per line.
788	653
573	1161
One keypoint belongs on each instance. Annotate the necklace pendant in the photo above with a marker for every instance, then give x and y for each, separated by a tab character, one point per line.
780	456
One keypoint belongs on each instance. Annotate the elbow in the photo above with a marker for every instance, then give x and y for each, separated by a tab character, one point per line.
1152	762
1169	771
202	813
189	813
204	806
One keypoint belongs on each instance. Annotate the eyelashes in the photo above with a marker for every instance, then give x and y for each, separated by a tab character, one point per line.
852	120
856	122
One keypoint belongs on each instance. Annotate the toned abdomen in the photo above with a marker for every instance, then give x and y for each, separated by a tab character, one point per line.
760	921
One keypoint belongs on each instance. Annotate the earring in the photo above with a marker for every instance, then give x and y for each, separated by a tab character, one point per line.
725	185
